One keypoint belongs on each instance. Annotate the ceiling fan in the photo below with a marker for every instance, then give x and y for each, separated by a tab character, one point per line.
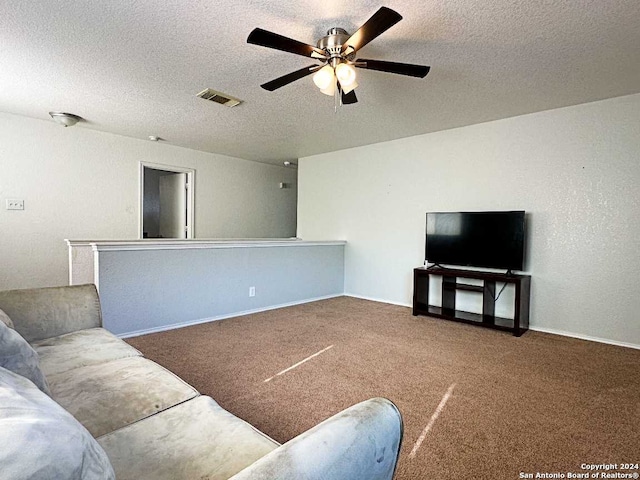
336	76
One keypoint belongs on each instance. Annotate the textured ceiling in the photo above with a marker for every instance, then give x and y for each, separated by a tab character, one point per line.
133	68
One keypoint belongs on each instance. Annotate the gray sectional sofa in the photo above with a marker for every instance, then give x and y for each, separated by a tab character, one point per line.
77	402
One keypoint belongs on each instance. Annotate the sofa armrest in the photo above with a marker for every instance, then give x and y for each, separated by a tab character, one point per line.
40	313
359	443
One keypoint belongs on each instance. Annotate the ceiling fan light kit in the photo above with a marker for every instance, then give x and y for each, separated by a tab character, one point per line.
338	50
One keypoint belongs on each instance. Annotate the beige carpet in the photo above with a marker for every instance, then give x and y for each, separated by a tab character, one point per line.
538	403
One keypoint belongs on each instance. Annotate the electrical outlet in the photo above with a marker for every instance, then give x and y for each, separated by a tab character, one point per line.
252	291
15	204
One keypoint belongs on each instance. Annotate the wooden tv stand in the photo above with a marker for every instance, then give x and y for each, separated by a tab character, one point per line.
421	305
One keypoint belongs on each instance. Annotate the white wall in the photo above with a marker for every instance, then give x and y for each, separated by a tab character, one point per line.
575	170
83	184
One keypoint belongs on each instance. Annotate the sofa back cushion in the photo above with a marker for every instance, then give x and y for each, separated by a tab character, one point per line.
19	357
40	440
40	313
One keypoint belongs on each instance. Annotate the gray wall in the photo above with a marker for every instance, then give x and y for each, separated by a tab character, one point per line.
151	290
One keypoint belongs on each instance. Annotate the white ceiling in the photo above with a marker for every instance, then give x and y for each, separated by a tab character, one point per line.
133	67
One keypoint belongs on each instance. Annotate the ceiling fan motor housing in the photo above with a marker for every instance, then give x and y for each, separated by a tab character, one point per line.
332	44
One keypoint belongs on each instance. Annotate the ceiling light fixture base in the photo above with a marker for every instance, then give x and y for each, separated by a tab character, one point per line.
65	119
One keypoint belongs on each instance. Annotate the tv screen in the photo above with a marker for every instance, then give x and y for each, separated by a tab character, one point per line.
477	239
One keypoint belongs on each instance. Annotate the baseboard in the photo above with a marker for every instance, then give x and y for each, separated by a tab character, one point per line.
164	328
585	337
537	329
379	300
173	326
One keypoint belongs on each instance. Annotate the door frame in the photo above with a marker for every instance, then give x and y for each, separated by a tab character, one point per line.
191	177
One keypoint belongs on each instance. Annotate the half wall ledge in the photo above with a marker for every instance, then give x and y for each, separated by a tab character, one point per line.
153	285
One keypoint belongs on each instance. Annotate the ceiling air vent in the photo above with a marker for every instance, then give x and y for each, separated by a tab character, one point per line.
219	97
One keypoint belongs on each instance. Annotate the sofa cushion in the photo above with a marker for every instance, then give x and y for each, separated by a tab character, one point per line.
39	313
110	395
79	349
4	318
196	439
40	440
19	357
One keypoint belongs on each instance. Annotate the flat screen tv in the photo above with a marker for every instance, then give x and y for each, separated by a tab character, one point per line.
476	239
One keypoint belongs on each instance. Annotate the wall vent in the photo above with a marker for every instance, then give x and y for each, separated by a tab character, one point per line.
219	97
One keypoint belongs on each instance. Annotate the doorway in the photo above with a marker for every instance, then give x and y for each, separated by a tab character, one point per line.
166	201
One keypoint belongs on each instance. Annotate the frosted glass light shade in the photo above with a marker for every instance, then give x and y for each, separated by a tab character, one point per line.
331	88
348	88
324	77
346	74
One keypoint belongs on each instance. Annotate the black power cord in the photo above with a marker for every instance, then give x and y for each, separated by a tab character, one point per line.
500	292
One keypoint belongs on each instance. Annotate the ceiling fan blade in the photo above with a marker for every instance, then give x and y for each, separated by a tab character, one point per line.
380	22
349	98
393	67
268	39
346	98
290	77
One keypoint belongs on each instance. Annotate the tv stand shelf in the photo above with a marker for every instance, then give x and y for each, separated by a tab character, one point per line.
421	305
463	286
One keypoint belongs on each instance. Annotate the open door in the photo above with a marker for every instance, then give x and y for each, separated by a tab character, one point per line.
166	202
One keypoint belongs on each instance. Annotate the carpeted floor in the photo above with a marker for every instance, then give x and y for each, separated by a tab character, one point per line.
538	403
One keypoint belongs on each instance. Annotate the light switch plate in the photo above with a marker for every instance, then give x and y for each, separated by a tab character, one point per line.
15	204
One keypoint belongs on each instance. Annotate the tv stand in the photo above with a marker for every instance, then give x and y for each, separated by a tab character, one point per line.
450	285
